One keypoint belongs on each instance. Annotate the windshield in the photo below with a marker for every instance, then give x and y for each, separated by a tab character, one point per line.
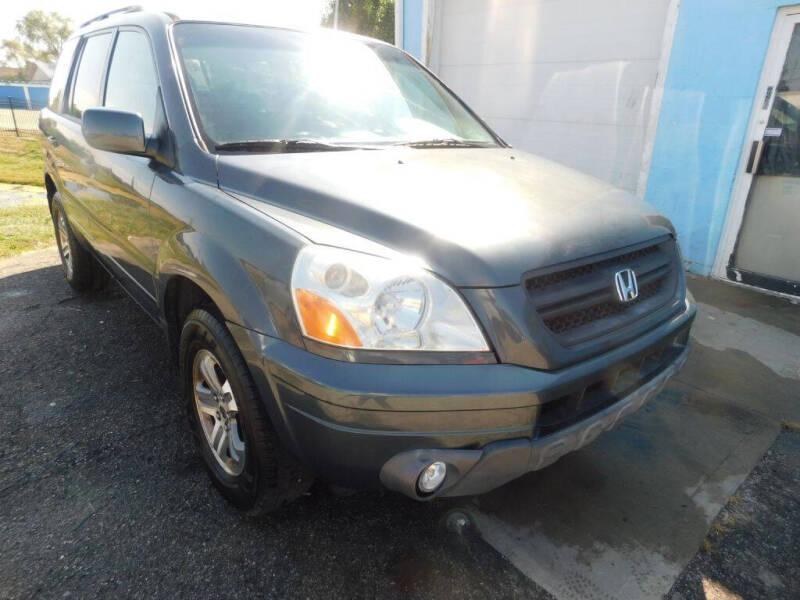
254	84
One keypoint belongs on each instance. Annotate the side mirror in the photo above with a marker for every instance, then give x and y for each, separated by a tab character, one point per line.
114	130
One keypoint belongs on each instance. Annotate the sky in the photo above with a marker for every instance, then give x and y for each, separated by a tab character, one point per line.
292	13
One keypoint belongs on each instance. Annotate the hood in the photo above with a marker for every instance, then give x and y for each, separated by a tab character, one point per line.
479	217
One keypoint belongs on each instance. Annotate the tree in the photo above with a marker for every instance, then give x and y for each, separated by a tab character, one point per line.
373	18
39	37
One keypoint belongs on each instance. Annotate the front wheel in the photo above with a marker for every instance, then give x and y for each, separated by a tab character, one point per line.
241	451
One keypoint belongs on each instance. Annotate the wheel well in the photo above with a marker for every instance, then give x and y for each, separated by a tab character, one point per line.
50	186
182	297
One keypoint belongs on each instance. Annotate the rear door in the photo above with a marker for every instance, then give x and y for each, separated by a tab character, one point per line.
51	120
74	157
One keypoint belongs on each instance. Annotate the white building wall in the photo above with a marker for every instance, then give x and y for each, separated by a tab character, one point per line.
571	80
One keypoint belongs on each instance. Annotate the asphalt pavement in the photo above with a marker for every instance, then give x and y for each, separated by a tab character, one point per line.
103	495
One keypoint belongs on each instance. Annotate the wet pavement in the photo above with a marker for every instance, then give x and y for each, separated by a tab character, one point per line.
623	517
102	494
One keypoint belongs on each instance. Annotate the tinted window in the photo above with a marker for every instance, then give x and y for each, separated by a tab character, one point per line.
132	81
60	75
86	92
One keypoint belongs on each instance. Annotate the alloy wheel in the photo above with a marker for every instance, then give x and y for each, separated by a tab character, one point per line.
63	243
218	413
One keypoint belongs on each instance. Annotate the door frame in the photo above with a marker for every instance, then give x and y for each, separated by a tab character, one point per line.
787	17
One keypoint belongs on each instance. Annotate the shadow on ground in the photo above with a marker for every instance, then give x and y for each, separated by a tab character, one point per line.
103	495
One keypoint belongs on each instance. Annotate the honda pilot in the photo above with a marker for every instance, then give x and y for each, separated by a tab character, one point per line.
357	278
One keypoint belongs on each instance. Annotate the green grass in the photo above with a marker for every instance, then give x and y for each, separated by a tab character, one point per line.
28	226
25	227
21	160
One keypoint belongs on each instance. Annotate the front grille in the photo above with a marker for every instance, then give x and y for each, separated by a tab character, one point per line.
578	302
602	310
543	281
607	389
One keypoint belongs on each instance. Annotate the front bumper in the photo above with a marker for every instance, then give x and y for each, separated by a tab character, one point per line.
366	425
478	471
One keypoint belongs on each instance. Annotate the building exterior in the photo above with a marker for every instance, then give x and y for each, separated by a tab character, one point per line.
26	88
34	71
691	104
38	71
23	95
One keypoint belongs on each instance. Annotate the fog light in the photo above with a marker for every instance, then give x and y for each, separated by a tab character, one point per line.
431	477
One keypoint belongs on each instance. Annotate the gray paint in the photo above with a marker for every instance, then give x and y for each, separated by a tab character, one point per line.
113	130
233	224
478	217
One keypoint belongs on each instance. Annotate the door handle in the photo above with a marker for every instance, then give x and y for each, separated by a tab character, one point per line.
755	154
52	139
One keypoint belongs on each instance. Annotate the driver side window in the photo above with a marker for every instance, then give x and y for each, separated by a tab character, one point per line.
132	81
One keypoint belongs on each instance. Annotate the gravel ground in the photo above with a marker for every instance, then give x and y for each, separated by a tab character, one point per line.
103	495
753	547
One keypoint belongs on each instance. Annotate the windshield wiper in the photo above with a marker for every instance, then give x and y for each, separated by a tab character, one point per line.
278	145
443	143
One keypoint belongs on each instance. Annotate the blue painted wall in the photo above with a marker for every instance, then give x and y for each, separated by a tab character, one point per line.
39	95
16	92
412	27
717	55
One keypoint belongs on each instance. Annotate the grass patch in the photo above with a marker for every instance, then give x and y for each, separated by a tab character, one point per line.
21	161
25	227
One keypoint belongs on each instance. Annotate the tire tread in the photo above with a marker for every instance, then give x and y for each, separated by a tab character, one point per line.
281	477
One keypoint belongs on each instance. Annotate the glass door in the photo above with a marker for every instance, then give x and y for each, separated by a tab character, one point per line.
767	250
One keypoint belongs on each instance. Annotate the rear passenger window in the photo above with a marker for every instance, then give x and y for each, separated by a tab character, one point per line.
61	74
132	82
86	91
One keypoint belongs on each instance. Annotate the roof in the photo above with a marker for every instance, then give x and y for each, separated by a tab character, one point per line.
135	15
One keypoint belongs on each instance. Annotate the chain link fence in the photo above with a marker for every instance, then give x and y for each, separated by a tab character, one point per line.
19	117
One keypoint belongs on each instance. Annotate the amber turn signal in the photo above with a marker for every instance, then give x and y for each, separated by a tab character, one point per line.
323	321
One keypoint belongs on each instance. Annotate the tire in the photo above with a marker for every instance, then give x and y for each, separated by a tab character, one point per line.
262	476
81	269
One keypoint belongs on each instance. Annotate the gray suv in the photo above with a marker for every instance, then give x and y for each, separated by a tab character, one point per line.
357	278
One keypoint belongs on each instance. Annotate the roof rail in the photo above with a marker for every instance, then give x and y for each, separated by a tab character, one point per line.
126	9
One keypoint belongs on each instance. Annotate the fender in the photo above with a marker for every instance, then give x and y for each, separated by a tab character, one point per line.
239	257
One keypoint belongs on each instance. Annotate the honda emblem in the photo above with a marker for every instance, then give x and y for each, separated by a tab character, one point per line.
625	282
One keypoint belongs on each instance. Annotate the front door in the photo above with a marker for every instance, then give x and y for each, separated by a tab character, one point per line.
766	251
122	182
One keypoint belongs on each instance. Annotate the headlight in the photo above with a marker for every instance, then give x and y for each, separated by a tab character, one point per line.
360	301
